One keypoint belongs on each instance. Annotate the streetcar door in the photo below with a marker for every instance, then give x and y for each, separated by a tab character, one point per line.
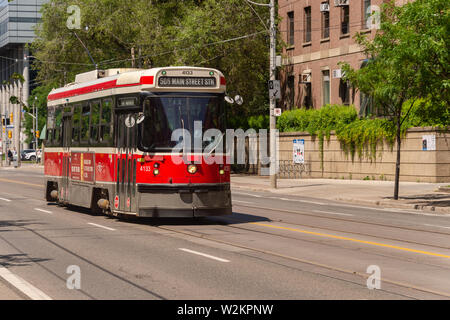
126	162
66	136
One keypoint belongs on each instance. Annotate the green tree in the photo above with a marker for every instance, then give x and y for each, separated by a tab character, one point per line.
227	35
409	61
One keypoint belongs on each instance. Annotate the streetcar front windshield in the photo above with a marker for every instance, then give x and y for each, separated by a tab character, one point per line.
195	114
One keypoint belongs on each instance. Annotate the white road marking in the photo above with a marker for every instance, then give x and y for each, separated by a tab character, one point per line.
338	213
100	226
298	200
7	200
42	210
204	255
28	289
432	225
243	201
248	194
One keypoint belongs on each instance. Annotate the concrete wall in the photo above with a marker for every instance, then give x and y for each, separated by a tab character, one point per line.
416	165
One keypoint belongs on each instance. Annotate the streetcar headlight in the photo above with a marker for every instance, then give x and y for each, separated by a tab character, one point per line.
192	168
221	171
156	165
156	172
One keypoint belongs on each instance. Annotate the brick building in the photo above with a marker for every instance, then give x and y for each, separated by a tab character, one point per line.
319	34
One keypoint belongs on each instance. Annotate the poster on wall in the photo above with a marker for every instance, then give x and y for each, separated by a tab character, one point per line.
429	142
299	151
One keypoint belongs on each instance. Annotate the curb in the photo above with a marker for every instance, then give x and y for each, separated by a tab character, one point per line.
424	208
428	209
444	189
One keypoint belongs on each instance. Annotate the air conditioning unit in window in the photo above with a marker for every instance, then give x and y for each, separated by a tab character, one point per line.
338	73
340	3
324	7
306	78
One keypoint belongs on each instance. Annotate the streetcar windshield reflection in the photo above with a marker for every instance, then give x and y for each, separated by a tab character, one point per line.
165	114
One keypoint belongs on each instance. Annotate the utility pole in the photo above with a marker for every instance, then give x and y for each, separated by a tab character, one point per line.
273	48
36	127
272	99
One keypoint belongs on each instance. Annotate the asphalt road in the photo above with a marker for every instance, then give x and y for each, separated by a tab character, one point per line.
270	248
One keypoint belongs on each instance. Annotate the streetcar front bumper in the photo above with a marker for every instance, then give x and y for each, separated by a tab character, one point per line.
184	200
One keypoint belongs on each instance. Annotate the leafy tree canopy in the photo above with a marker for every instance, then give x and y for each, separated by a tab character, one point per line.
160	33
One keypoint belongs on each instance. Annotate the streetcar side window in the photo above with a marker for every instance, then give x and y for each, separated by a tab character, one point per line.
50	125
58	127
105	121
95	120
85	117
76	124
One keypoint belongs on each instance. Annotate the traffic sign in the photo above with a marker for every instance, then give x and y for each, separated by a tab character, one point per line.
277	112
275	89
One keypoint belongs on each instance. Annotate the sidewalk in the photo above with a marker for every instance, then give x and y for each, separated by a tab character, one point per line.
420	196
25	166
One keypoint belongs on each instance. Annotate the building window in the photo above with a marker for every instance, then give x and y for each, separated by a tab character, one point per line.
366	13
307	24
291	28
325	24
326	87
345	20
344	92
291	91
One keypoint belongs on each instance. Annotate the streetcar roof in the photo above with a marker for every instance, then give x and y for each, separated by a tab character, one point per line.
104	83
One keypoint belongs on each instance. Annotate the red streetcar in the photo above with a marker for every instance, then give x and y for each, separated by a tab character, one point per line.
109	143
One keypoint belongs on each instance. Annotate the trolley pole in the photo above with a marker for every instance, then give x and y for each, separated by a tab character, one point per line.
273	48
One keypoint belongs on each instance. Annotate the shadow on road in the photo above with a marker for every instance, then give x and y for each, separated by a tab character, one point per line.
18	260
235	218
9	225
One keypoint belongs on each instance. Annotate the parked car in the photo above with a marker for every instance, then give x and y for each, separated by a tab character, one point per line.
25	154
30	154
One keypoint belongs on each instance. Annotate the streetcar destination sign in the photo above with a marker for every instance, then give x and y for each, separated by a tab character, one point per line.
187	82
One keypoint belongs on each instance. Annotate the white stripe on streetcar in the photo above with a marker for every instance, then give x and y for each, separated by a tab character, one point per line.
28	289
42	210
100	226
7	200
204	255
338	213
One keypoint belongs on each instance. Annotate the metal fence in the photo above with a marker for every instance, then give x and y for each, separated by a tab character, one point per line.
290	170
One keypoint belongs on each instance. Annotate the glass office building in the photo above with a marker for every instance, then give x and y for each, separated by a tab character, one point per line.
17	21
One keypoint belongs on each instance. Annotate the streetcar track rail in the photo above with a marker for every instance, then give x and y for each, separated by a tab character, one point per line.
154	294
313	263
343	219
